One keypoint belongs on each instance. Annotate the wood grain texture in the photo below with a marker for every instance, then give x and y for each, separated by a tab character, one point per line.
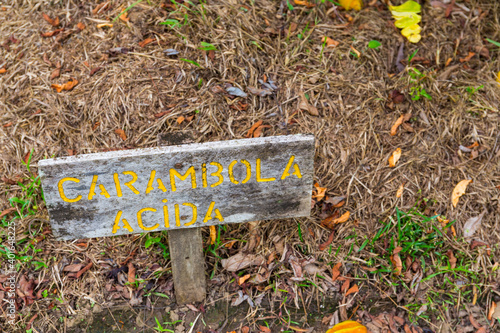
186	246
253	200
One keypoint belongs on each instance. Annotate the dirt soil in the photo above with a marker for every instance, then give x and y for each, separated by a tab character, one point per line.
400	262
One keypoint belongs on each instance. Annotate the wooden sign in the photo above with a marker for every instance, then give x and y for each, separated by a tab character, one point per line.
178	187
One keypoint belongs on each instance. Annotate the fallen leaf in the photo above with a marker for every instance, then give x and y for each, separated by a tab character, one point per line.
358	54
146	42
66	86
353	289
51	33
452	259
401	188
330	42
304	3
258	132
105	25
396	96
213	234
253	128
304	105
241	261
472	224
94	70
121	133
351	4
236	92
345	286
7	211
131	273
73	268
52	22
80	26
55	73
475	243
330	221
493	307
498	78
320	192
100	8
336	202
264	329
394	128
124	17
3	70
180	119
474	322
245	329
393	160
324	245
83	270
336	271
469	57
259	92
398	264
459	190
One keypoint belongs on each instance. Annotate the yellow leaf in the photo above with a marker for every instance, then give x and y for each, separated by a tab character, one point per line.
351	4
393	160
498	78
407	19
399	193
213	234
348	326
414	38
459	190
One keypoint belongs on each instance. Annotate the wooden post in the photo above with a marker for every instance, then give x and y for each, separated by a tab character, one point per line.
186	246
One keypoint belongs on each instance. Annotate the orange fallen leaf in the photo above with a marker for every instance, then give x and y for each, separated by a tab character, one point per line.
80	26
242	279
52	22
253	128
2	70
258	132
448	62
336	271
100	8
124	17
345	286
354	4
66	86
121	133
320	192
394	128
131	273
329	221
401	188
469	57
213	234
358	54
353	289
452	259
329	241
51	33
330	42
459	190
146	42
180	120
393	160
264	329
492	310
398	264
304	3
105	25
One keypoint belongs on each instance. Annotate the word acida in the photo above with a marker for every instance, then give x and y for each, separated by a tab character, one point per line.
173	173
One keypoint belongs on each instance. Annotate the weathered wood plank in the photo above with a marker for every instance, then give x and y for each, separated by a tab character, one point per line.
186	246
183	186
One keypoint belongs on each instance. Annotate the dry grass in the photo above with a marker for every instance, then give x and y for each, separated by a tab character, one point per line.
254	41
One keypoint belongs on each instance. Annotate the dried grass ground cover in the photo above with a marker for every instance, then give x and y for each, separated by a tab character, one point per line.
122	85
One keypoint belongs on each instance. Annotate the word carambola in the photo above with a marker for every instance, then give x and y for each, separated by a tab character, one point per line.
126	180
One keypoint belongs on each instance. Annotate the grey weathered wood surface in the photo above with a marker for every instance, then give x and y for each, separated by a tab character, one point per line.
186	246
281	198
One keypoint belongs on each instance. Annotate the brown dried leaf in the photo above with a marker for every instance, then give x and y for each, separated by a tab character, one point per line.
319	194
396	96
146	42
264	329
66	86
241	261
180	119
131	273
345	286
52	22
51	33
394	128
259	92
100	8
121	133
73	268
398	264
469	57
94	70
336	202
353	289
330	42
393	160
336	271
452	259
253	128
7	211
329	241
401	188
83	270
472	224
55	73
80	26
304	105
459	190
